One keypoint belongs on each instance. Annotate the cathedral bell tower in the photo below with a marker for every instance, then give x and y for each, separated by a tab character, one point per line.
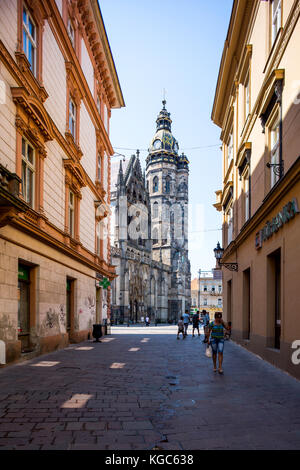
167	183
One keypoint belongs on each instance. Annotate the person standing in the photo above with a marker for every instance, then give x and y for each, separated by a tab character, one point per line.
196	322
216	330
180	328
147	321
205	325
186	320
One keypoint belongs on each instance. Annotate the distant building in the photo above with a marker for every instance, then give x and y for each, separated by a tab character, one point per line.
207	292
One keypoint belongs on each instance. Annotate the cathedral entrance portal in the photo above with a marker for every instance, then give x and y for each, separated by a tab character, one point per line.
134	310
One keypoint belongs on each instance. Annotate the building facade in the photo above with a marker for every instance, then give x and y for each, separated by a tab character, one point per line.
207	292
58	86
150	249
257	107
142	284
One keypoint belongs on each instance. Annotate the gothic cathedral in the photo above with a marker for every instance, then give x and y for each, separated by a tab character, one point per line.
150	249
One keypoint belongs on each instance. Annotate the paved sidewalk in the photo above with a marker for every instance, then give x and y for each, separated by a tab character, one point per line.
140	389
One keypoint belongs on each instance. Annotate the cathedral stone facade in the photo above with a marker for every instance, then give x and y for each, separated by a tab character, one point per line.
150	249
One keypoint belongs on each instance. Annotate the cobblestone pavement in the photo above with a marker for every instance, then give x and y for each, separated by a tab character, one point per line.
141	388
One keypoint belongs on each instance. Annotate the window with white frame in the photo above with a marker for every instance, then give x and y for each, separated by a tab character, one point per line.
204	301
274	137
29	39
276	18
28	172
247	96
246	197
220	289
230	149
219	302
230	225
72	118
71	213
71	32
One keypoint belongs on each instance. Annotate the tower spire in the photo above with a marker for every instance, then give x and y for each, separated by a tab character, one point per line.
164	101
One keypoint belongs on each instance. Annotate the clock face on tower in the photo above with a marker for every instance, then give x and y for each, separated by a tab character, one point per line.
157	144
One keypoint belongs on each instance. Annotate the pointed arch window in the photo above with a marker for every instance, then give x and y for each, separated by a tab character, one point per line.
168	184
155	210
155	184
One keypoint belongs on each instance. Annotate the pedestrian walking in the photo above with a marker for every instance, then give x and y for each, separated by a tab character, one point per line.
216	329
147	321
205	316
186	320
196	320
180	328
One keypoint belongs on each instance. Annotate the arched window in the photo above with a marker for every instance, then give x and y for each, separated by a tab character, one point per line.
168	184
167	213
155	184
155	210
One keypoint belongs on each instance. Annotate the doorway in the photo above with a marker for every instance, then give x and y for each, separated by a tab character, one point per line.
24	306
70	289
98	305
274	299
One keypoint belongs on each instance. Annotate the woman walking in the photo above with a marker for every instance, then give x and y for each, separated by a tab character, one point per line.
216	329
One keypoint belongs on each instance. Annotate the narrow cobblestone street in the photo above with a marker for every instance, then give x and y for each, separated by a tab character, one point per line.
141	388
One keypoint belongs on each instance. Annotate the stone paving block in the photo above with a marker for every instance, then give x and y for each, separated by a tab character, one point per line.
95	426
24	427
136	425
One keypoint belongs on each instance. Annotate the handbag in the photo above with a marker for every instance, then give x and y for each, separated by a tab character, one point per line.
208	351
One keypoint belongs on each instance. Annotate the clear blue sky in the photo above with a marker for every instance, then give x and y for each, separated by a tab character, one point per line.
176	45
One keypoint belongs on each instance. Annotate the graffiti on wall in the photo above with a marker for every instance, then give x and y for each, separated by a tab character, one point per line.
62	315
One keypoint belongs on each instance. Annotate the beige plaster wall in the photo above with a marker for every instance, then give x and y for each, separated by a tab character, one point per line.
87	143
87	67
54	185
87	219
7	121
54	79
8	24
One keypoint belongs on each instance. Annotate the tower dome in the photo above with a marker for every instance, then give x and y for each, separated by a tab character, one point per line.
163	142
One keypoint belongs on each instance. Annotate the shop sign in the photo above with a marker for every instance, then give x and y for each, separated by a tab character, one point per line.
103	282
288	212
23	273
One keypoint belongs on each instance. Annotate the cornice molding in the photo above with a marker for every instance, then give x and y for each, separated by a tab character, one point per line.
33	108
246	146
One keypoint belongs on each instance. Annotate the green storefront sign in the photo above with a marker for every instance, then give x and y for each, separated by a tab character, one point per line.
285	215
23	273
104	283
